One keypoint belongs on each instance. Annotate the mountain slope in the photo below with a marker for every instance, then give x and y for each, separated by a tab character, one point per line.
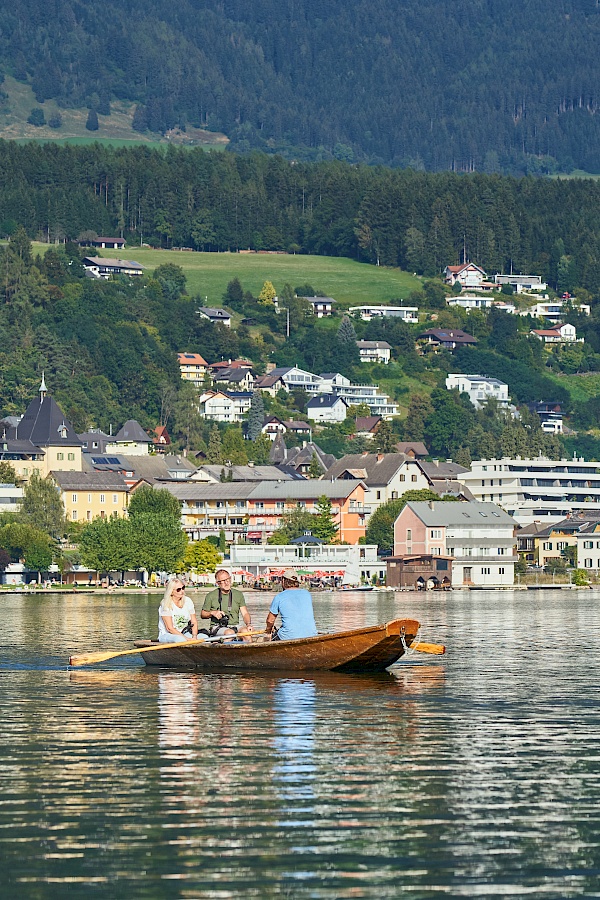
472	85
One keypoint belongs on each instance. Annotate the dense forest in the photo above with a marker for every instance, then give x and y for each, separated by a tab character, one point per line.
472	85
418	221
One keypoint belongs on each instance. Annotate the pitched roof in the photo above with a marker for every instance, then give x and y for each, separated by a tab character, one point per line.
438	470
132	431
367	423
469	514
380	468
213	313
194	490
45	425
448	336
302	490
417	448
191	359
325	401
245	473
373	345
90	481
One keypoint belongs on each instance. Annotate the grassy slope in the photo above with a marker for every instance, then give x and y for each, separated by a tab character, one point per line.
347	281
114	130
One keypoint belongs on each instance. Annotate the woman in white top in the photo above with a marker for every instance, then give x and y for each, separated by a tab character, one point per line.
174	613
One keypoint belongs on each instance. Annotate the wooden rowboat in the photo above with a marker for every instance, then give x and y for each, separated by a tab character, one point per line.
370	649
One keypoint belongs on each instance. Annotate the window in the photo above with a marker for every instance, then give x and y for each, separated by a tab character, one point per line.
436	551
73	498
74	515
435	534
501	551
89	498
89	515
280	504
501	570
413	477
547	545
394	495
115	498
403	478
25	471
561	545
409	535
486	570
259	504
587	563
379	495
102	498
60	455
71	457
587	545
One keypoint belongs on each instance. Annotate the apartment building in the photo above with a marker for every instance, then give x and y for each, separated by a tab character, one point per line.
540	489
91	495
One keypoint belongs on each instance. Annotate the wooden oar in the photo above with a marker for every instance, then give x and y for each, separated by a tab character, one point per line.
88	659
436	649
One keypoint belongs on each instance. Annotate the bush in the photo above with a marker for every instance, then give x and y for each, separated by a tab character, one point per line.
580	577
55	121
36	117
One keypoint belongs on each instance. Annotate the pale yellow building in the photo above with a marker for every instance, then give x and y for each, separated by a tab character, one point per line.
91	495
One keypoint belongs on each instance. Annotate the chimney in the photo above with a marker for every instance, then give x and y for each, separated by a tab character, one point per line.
430	504
380	456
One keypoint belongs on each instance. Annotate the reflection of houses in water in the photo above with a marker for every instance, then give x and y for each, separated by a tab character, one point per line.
294	720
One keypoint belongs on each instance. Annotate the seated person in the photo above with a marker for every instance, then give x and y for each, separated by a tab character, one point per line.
175	613
227	601
294	605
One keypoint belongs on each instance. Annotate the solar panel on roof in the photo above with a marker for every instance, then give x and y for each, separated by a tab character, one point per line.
114	460
99	460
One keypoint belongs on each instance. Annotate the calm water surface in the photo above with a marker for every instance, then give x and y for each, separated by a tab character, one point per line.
476	774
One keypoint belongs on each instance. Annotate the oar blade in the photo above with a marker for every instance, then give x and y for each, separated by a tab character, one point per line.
88	659
422	647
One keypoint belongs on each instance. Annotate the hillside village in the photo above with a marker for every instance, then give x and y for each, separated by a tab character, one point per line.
273	444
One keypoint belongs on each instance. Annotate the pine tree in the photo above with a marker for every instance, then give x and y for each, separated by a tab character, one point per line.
234	450
256	416
385	439
214	453
346	333
92	120
324	526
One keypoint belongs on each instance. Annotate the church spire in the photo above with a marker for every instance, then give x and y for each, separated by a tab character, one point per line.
43	389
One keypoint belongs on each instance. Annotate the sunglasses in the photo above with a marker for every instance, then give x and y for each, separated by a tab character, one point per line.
178	590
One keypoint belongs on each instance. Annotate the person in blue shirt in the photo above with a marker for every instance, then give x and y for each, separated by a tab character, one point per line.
294	605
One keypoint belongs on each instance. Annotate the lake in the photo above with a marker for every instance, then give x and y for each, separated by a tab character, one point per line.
475	774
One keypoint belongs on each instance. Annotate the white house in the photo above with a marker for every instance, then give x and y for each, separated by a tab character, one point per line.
215	315
406	313
102	267
480	388
326	408
386	475
480	538
11	497
558	334
553	310
468	275
470	301
321	306
225	406
374	351
521	282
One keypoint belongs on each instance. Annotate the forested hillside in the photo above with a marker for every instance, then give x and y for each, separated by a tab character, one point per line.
420	222
472	85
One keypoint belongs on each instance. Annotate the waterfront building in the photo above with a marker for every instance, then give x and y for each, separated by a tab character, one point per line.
479	538
541	489
349	563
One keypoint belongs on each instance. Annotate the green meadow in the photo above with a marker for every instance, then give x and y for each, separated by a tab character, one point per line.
347	281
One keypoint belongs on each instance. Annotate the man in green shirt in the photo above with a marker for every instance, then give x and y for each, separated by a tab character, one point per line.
226	600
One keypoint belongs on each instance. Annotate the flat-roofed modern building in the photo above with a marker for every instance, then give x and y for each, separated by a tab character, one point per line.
541	489
480	388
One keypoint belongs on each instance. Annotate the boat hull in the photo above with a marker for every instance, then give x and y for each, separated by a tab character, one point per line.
370	649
